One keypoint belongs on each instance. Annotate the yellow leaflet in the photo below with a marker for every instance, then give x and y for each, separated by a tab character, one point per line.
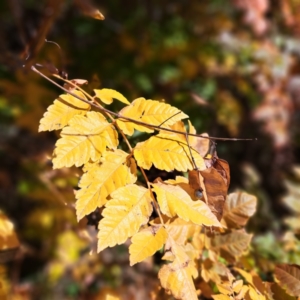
129	209
146	243
184	184
102	179
178	126
151	112
62	111
177	276
173	200
181	230
86	138
107	96
166	154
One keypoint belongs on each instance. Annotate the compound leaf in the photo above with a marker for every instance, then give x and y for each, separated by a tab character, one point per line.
146	243
62	111
167	154
173	200
101	180
107	96
151	112
86	138
129	209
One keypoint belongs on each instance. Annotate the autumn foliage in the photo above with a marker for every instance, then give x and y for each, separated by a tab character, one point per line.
119	196
191	220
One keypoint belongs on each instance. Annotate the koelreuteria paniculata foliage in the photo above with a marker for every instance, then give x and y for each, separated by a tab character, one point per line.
198	227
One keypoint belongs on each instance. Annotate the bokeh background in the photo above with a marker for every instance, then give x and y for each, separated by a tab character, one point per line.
232	65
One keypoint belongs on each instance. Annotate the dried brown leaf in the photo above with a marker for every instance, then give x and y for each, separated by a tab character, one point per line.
238	208
288	277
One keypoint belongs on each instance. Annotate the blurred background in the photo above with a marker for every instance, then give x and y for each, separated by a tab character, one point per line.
232	65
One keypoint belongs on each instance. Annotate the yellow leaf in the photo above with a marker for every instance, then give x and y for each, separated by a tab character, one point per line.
224	288
62	111
166	154
253	279
254	295
129	209
8	237
242	292
102	179
177	276
181	230
85	138
107	96
184	184
151	112
237	286
146	243
200	144
173	200
238	208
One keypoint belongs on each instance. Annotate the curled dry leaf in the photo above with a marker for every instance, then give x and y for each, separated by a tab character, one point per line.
216	190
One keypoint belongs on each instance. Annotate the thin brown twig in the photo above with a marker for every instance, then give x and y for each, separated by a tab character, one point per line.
192	157
169	118
156	127
156	207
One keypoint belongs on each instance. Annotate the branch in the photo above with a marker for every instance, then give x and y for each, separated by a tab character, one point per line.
156	127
